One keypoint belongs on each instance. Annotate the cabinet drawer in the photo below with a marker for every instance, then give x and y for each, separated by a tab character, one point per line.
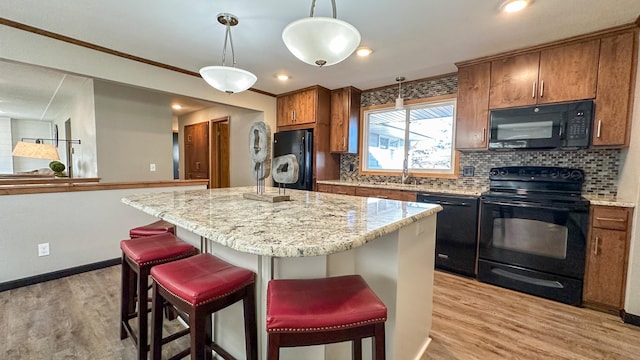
324	188
344	190
610	218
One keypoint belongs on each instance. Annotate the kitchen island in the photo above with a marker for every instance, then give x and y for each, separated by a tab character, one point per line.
390	243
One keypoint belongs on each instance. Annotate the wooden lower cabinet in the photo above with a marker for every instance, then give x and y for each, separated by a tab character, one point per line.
324	188
343	190
369	192
607	256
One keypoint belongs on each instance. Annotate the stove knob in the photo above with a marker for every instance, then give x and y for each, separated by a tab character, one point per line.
493	172
576	175
554	173
503	172
565	174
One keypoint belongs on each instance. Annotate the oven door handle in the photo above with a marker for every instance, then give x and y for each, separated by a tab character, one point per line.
528	205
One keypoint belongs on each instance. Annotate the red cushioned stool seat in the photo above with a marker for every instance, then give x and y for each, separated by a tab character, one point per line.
138	257
321	311
198	286
155	249
155	228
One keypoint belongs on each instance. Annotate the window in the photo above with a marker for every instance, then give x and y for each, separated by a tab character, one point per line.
420	134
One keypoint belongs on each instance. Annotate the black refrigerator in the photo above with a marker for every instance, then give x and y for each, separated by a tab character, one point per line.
300	144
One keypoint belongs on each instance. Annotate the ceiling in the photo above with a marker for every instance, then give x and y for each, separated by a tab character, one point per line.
411	38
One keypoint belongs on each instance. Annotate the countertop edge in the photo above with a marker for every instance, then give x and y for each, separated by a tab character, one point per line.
95	186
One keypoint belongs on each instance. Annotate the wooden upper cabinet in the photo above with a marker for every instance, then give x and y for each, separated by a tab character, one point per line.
559	74
297	108
472	111
569	72
514	81
613	100
345	118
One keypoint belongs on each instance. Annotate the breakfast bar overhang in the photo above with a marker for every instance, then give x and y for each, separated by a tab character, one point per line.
390	243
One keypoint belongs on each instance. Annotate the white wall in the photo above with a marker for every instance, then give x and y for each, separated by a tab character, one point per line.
133	130
30	129
629	189
6	146
81	228
240	121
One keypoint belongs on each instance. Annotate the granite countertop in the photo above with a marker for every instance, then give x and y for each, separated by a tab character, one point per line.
311	224
597	200
405	187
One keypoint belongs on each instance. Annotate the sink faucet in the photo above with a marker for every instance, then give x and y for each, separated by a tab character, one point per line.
405	172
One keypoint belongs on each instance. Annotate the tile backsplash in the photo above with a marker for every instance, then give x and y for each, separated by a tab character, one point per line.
601	166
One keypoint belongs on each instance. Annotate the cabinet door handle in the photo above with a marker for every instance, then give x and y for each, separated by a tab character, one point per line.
610	219
599	128
533	92
484	134
341	193
293	116
344	142
595	246
541	88
197	165
383	197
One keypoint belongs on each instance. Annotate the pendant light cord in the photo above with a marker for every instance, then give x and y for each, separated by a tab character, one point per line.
228	36
333	7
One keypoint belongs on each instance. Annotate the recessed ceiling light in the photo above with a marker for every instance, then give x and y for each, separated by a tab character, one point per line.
511	6
364	51
176	107
282	77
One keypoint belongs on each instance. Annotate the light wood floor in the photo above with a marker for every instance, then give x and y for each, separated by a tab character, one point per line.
471	320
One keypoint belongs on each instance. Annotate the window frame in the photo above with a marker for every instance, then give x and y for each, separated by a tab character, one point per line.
363	141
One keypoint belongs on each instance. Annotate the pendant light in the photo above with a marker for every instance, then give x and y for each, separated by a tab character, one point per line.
399	100
229	79
321	41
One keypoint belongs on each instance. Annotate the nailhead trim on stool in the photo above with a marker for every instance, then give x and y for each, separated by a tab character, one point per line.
138	258
304	312
199	286
155	228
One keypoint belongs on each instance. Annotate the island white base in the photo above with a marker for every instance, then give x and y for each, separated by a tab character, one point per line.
398	266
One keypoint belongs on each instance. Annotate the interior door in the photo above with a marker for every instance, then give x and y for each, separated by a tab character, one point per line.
196	144
219	154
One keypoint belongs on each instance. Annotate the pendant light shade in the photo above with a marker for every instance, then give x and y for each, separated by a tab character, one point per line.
321	41
228	79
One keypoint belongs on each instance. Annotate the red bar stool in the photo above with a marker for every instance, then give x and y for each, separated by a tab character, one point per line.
155	228
305	312
138	257
198	287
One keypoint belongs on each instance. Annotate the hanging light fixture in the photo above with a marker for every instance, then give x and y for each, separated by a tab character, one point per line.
229	79
399	100
321	41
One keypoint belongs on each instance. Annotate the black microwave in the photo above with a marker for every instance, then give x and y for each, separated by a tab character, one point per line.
557	126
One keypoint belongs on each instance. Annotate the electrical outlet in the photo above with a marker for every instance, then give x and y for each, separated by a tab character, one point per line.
152	167
468	171
43	249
